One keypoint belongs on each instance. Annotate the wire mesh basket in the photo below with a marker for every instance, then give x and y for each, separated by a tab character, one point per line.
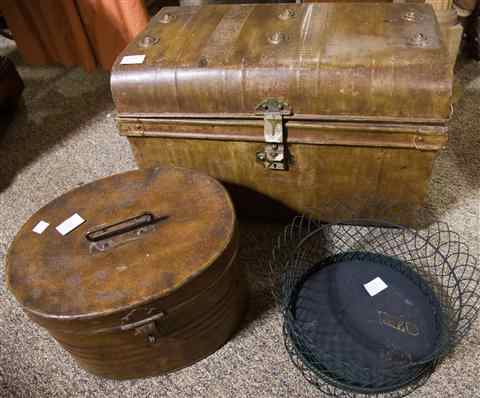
350	340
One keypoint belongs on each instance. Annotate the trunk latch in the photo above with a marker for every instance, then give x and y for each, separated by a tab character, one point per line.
275	154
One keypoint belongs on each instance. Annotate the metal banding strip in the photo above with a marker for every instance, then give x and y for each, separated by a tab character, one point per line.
220	44
418	137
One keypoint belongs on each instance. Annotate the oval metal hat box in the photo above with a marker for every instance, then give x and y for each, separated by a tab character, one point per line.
146	285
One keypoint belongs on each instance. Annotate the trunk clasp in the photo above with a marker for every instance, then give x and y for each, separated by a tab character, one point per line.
275	154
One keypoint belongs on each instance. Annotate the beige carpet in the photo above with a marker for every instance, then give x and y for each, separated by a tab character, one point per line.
64	135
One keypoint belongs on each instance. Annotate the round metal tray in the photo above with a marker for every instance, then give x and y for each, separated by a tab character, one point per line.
362	342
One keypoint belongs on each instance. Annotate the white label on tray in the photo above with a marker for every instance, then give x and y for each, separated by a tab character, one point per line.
70	224
132	59
375	286
40	227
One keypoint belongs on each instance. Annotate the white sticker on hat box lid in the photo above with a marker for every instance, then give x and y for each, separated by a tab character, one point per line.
70	224
40	227
375	286
133	59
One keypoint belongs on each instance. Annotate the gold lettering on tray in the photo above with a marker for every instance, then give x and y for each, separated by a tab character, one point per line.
398	323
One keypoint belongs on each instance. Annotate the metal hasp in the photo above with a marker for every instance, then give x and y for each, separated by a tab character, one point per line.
275	155
147	327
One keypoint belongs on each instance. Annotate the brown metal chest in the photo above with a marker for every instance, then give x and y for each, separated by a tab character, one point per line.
291	105
146	285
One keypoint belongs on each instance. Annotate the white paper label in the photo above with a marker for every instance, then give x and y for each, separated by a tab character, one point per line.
70	224
375	286
132	59
40	227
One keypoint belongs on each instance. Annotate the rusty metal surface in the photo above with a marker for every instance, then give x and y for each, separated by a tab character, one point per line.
330	60
366	92
62	277
185	332
147	285
318	174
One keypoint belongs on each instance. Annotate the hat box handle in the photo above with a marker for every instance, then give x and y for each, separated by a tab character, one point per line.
108	236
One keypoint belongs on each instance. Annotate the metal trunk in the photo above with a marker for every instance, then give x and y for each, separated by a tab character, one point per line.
292	104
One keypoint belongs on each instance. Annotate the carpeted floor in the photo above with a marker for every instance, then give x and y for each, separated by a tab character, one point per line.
64	135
